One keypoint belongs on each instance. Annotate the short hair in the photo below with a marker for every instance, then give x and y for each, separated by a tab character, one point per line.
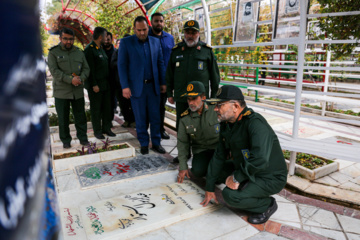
126	35
66	31
248	4
109	33
98	31
202	95
156	15
140	19
242	103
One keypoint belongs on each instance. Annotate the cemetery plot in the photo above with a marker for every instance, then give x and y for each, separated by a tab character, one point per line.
134	214
107	172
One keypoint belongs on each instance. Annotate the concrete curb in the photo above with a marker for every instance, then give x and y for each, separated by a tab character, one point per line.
316	173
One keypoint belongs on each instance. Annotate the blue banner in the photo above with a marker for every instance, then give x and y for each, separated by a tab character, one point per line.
24	137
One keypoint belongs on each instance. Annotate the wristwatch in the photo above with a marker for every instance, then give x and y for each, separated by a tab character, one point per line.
234	179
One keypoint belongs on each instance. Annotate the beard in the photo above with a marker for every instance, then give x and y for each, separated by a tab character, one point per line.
192	44
67	46
226	116
194	108
107	45
157	29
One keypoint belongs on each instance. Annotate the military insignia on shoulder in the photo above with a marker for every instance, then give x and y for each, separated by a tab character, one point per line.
91	45
185	113
198	48
176	46
248	112
183	48
245	153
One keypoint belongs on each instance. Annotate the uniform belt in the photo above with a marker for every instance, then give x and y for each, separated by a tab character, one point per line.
148	80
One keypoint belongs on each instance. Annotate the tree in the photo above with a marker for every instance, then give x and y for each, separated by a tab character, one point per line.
113	19
341	27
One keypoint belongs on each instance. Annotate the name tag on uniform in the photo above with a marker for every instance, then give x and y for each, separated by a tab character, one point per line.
101	55
60	56
200	65
180	56
177	64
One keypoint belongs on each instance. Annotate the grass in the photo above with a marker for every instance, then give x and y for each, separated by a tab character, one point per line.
307	160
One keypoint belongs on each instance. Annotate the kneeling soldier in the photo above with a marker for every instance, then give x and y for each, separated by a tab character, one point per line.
248	158
199	129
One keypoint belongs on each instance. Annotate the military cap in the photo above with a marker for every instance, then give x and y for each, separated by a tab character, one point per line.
192	24
227	93
194	89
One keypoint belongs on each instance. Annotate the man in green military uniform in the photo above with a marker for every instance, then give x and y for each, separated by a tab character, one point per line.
199	129
248	158
190	60
98	85
69	69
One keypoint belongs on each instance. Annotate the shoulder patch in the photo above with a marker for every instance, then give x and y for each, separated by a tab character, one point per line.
176	46
185	113
91	45
248	112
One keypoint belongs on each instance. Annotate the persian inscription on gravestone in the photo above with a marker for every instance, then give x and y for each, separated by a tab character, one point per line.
105	172
140	212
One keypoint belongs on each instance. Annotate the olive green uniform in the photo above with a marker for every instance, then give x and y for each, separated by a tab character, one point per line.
63	64
100	102
201	132
190	64
255	156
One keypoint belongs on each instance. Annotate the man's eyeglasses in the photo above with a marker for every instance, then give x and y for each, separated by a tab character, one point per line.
68	39
218	105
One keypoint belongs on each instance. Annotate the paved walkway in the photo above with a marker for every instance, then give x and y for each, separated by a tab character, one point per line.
329	209
298	216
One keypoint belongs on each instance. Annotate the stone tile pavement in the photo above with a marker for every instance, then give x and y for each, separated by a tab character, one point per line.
329	209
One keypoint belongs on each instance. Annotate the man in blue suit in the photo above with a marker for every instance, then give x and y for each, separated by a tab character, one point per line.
142	76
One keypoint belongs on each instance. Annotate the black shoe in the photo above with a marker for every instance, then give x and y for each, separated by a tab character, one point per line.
144	150
164	135
66	145
99	136
158	149
109	133
263	217
84	143
175	160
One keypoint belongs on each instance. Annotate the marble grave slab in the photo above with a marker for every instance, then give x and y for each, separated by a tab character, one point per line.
111	171
134	214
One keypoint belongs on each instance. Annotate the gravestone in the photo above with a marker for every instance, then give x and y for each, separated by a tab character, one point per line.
106	172
134	214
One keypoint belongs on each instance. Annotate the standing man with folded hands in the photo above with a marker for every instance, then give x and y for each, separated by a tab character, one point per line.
142	76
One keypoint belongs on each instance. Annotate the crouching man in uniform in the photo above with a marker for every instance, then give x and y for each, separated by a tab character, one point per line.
199	129
248	158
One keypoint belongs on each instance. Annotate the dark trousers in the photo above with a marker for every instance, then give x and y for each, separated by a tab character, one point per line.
163	99
146	108
180	108
100	107
125	107
200	162
112	103
255	197
63	111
